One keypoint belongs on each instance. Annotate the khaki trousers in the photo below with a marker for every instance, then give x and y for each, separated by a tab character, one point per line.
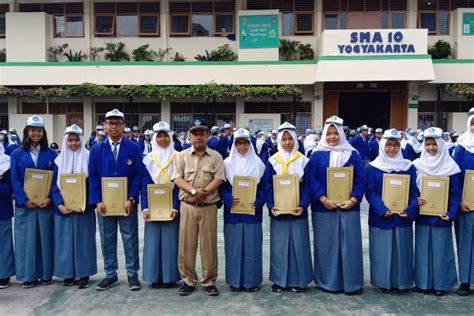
198	223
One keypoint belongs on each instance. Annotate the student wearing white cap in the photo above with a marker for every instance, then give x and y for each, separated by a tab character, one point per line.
290	251
7	256
435	266
243	232
390	233
34	224
94	136
146	142
337	233
374	144
464	224
160	251
75	258
361	144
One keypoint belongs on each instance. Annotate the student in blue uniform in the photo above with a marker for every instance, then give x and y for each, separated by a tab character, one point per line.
7	256
390	233
435	266
177	143
410	147
75	258
337	232
272	143
243	232
262	147
117	157
464	156
160	251
374	144
34	224
145	144
216	143
290	253
361	144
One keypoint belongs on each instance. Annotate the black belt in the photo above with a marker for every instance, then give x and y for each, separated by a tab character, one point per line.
200	204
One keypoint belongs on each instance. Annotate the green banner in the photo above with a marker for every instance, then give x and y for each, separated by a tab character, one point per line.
468	23
258	31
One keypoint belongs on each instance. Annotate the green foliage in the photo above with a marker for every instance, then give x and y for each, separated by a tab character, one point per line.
163	52
178	57
461	90
305	52
295	50
440	50
77	56
94	53
144	53
55	51
3	55
116	52
223	53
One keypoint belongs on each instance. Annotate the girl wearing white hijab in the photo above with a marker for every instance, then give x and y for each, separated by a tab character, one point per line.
160	251
337	233
290	253
390	233
464	225
74	243
7	257
243	232
435	267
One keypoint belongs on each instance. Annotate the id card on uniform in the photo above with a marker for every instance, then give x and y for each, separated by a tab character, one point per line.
114	195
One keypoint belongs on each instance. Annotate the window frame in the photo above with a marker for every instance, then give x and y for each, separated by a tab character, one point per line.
212	15
188	33
390	12
137	29
436	32
157	33
66	32
112	32
3	35
215	21
338	20
295	21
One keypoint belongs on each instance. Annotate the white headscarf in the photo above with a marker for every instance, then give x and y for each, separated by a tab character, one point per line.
4	160
388	164
441	164
466	140
310	143
70	161
260	141
162	156
407	139
297	166
248	165
339	154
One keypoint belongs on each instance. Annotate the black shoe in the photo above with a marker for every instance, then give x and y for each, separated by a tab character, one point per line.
234	289
4	283
68	282
276	288
106	284
27	285
134	284
398	291
418	290
185	289
383	290
463	289
211	290
83	283
251	289
296	289
46	282
356	292
440	293
157	285
169	285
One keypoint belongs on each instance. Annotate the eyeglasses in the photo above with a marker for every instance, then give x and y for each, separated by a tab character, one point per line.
114	124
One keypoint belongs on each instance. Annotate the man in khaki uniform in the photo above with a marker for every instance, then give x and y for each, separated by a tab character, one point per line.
199	171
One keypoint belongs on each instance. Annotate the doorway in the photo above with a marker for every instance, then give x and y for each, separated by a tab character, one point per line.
369	108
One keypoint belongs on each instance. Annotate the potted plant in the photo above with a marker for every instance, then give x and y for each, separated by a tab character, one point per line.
440	50
116	52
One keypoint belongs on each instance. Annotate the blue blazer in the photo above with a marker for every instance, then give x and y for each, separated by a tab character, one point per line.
102	164
373	148
362	146
409	153
6	192
464	159
10	149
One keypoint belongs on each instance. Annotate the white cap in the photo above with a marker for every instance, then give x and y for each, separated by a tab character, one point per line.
99	127
127	130
274	131
148	132
364	127
446	133
471	112
161	127
101	133
286	126
73	129
434	132
335	120
35	121
379	130
241	133
226	126
392	133
114	113
136	129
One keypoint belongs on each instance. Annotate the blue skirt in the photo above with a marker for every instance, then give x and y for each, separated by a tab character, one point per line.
465	242
338	264
391	257
243	254
160	252
75	253
7	256
34	244
290	253
435	267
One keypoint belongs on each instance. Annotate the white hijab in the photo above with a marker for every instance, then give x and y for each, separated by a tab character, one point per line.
260	141
70	161
4	160
339	154
466	140
310	143
441	164
297	166
248	165
388	164
407	139
162	156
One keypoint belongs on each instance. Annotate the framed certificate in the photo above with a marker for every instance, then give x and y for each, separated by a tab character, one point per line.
114	195
244	189
396	191
286	193
339	184
37	184
160	201
435	191
468	192
73	190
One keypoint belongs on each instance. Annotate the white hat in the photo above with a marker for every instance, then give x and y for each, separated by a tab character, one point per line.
274	131
434	132
226	126
114	113
286	126
136	129
99	127
471	112
148	132
392	133
379	130
35	121
364	127
446	133
127	130
242	133
335	120
101	133
161	127
73	129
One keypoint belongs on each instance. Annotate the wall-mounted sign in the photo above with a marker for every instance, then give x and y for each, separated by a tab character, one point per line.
258	31
468	23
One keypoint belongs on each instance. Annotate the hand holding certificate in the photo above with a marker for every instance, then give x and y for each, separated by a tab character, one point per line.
395	191
73	191
434	190
244	189
286	192
37	184
468	192
114	195
160	202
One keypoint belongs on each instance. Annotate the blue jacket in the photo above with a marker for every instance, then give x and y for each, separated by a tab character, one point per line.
218	144
20	160
264	153
377	208
409	153
318	163
362	145
464	159
10	149
272	148
177	146
102	164
144	193
6	192
373	148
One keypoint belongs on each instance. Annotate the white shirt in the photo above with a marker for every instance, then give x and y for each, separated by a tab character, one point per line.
34	152
111	142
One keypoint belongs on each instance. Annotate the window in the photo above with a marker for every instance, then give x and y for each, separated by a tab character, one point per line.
434	14
4	116
127	19
183	115
202	18
143	115
4	8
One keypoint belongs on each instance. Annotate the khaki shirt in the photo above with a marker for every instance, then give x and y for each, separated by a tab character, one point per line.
199	171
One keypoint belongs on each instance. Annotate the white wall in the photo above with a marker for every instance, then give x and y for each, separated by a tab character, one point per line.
457	122
27	36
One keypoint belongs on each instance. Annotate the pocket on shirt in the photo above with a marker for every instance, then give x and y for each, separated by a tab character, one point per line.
207	173
189	174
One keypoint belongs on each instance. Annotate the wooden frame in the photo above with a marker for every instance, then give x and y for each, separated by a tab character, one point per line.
157	33
112	32
295	21
180	33
436	14
66	32
215	21
2	35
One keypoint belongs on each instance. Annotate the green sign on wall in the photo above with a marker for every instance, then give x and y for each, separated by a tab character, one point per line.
468	23
258	31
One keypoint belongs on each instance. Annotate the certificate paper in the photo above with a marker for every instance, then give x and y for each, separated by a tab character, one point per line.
395	191
73	190
114	195
286	193
435	191
160	201
244	189
468	192
339	184
37	184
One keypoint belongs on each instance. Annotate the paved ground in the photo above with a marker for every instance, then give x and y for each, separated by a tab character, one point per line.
56	299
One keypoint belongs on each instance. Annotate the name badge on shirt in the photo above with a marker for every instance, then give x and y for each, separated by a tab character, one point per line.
129	162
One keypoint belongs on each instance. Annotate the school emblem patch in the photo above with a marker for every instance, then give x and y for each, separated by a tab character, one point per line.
129	162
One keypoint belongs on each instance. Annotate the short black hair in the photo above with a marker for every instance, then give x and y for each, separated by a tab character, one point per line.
26	143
